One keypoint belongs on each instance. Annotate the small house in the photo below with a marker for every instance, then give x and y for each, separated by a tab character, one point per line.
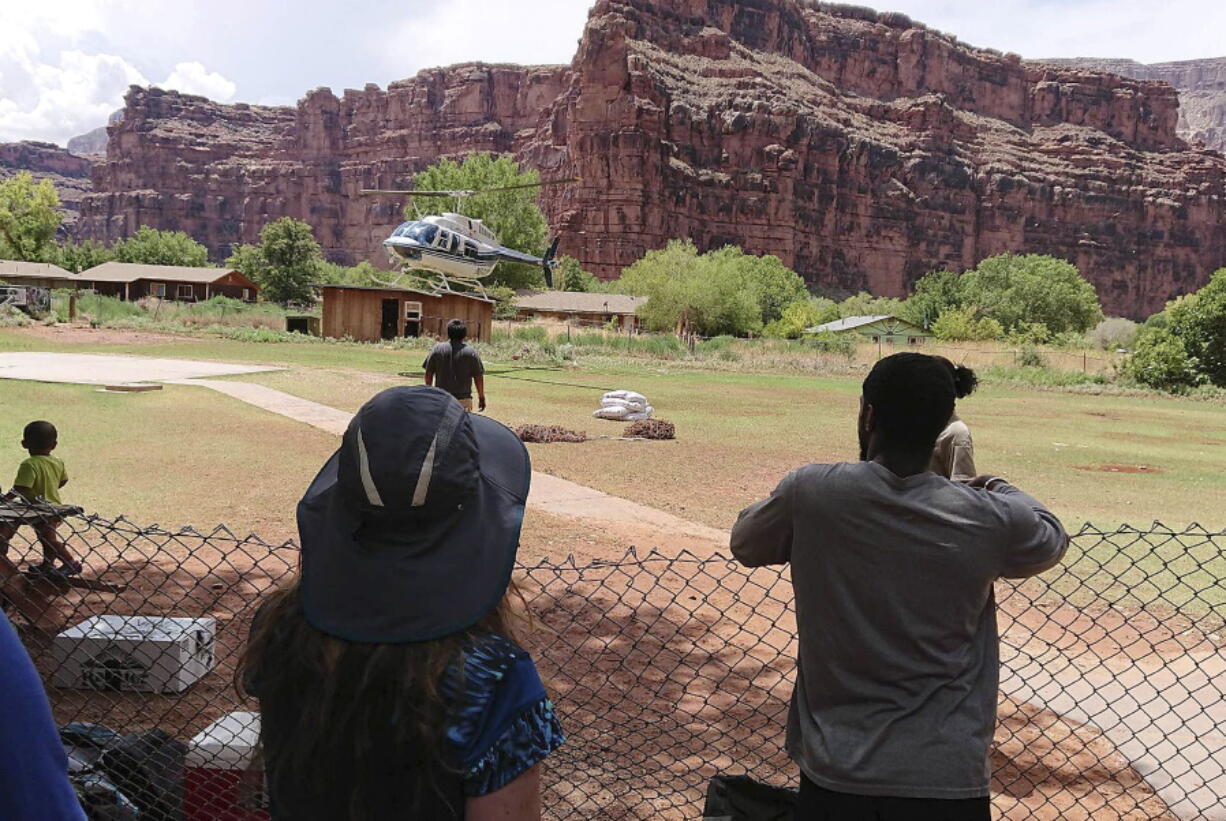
133	281
884	330
580	308
36	274
369	314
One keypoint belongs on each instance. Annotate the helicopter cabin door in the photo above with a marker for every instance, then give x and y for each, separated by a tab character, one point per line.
389	322
412	319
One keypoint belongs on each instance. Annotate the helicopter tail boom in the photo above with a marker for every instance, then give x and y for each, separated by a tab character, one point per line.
548	263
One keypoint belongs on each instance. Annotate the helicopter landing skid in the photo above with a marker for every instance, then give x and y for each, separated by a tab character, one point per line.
433	282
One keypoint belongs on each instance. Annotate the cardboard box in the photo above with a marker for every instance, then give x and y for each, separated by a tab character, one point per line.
216	783
149	654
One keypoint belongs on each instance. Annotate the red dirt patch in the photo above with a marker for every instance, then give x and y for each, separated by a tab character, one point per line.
1114	468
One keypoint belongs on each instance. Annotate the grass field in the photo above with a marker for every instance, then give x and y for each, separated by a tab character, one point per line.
1105	459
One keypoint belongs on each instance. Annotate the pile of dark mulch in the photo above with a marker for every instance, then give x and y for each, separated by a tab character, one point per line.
549	433
651	429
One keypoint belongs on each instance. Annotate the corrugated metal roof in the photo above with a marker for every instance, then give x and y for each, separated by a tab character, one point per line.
578	302
132	271
399	290
851	322
16	269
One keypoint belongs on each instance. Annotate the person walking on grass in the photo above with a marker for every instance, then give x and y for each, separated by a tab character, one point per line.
40	477
389	680
893	569
456	367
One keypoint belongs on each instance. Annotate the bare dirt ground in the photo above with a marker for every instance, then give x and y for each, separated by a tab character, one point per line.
99	336
665	672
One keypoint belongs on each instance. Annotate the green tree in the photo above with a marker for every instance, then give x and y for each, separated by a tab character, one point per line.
1032	289
721	292
291	261
570	276
934	294
773	285
249	261
29	217
1161	361
865	304
800	316
513	216
149	246
81	256
1199	321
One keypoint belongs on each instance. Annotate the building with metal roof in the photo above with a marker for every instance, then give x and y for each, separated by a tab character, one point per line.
36	274
884	329
580	307
132	281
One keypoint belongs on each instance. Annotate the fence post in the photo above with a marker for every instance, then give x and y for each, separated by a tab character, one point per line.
1084	363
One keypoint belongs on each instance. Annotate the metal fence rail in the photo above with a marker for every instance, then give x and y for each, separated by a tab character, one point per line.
668	670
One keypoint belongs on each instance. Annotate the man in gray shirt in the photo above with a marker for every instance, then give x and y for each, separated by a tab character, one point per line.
892	567
455	367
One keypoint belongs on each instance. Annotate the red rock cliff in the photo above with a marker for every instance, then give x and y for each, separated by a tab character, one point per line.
863	149
46	161
1201	85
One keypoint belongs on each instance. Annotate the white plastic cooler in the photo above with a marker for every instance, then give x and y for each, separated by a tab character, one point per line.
152	654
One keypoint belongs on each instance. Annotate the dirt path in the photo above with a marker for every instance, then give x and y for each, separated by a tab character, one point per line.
643	526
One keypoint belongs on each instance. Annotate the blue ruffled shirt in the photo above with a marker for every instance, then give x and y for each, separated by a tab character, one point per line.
503	722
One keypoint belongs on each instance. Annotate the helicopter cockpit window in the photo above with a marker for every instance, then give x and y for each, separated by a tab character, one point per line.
455	244
443	240
470	249
421	232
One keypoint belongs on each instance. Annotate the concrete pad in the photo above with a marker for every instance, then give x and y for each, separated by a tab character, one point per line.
97	369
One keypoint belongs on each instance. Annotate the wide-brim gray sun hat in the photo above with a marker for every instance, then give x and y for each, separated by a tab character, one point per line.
410	530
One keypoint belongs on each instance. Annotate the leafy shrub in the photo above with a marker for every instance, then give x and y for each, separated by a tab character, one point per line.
1161	361
961	324
826	342
800	316
10	317
1114	333
1199	320
504	302
1030	357
1030	334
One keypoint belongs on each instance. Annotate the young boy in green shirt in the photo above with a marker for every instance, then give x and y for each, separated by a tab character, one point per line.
41	477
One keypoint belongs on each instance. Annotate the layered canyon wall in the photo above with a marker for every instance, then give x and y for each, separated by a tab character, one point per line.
1201	85
864	150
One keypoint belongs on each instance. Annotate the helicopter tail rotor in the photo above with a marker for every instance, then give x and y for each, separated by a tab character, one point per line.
549	261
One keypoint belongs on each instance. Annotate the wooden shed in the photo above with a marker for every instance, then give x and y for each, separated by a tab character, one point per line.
369	314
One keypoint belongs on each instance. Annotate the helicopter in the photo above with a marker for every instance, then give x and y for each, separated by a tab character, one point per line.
452	248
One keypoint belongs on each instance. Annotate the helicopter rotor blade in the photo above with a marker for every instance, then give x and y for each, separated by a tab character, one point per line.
466	192
411	193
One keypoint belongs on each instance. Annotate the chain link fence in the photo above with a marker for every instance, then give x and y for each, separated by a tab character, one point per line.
665	671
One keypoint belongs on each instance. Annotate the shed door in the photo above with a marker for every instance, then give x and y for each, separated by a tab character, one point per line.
390	320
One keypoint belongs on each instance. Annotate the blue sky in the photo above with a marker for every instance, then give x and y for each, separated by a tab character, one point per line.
65	64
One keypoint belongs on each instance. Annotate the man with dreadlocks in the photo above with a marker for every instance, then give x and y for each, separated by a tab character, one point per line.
892	566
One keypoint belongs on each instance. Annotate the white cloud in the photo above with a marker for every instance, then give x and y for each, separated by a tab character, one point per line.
57	100
440	34
194	78
52	88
